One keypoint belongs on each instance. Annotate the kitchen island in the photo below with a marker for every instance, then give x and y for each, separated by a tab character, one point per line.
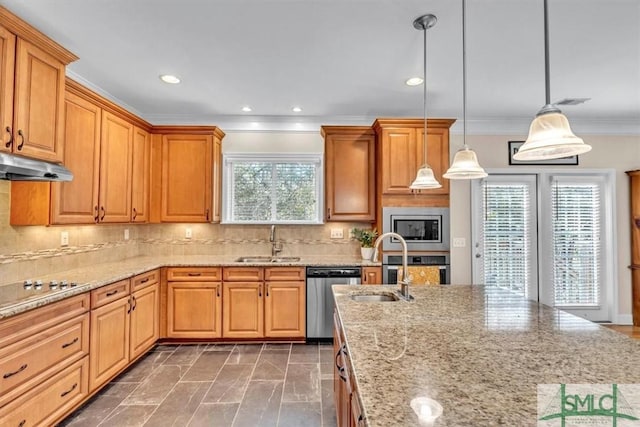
479	351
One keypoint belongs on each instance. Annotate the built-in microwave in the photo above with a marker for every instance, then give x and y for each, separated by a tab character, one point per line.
424	229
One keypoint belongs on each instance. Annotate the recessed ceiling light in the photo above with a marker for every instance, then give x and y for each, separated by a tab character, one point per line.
414	81
247	109
296	109
168	78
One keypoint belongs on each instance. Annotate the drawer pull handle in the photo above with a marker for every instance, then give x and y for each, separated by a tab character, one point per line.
75	340
10	141
218	291
10	374
145	280
112	293
21	141
195	274
73	387
22	423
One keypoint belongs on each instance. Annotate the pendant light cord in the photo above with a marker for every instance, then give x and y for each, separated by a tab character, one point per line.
424	96
547	69
464	74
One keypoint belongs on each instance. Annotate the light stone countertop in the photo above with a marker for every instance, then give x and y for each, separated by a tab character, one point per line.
97	275
480	352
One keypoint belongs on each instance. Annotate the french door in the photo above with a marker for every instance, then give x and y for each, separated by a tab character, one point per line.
547	237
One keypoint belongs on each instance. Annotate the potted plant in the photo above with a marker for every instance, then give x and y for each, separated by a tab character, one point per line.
366	238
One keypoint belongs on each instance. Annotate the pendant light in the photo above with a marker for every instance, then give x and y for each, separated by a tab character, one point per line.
550	136
465	163
425	179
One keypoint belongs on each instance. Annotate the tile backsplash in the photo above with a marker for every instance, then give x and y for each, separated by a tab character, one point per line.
36	250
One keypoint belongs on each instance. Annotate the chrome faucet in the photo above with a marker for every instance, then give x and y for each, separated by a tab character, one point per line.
406	278
276	247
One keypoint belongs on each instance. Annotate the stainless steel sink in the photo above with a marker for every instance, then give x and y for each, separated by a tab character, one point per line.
268	259
374	297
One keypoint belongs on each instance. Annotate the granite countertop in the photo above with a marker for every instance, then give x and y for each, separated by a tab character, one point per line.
480	352
97	275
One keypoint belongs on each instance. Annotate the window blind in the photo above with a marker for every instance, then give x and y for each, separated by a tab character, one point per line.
506	236
576	242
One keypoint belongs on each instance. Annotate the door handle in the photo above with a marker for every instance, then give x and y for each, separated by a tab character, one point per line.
21	135
10	141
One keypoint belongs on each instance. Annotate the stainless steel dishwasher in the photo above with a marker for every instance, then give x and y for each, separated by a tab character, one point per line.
320	298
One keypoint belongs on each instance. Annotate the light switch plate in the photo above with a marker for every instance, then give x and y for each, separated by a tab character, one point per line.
188	233
64	238
459	242
337	233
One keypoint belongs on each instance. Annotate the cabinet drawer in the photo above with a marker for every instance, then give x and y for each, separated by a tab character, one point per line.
48	402
243	274
26	324
146	279
38	356
194	274
284	273
112	292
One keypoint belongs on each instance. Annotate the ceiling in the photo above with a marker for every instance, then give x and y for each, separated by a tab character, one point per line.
346	61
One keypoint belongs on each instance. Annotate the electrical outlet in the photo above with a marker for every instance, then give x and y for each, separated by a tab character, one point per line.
64	238
126	234
337	233
459	242
188	233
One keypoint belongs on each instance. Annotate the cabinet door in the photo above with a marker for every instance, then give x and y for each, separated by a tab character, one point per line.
7	68
437	156
194	310
140	175
76	202
115	169
186	178
284	310
349	177
109	341
243	310
401	158
38	103
371	276
145	320
217	180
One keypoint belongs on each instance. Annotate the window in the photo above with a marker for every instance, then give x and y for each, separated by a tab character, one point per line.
271	189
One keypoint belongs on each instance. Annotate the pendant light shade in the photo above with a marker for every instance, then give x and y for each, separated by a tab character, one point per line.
425	179
465	163
550	136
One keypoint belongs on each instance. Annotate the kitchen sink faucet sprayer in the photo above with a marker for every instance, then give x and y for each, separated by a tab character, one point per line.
406	278
276	247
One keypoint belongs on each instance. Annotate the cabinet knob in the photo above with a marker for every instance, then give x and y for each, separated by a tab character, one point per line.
10	141
21	135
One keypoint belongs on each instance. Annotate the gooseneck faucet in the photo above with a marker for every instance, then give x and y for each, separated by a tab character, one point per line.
406	278
276	247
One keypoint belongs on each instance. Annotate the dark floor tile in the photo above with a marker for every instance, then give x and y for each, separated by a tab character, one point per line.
328	346
129	416
206	367
220	347
143	367
328	405
165	347
302	383
326	371
185	354
277	347
179	406
99	406
214	415
230	384
245	353
260	405
155	388
304	353
271	366
300	414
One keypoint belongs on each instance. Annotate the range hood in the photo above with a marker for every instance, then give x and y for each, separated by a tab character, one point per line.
17	168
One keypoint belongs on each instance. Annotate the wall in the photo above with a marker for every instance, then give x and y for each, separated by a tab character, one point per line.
620	153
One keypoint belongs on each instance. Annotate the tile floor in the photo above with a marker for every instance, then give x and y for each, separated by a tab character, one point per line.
218	385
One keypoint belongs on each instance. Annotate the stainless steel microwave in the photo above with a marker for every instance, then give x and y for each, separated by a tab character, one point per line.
424	229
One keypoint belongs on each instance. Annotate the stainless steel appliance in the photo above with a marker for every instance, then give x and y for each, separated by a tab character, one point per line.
424	229
391	263
320	303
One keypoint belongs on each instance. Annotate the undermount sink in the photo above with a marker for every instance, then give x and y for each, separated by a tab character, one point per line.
268	259
374	297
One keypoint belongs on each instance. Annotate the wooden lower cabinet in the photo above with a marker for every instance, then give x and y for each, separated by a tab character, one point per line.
371	275
144	328
50	400
348	408
285	309
194	310
242	308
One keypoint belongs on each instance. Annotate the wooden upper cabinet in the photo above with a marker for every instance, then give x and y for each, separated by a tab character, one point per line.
76	202
217	180
140	175
115	169
7	68
349	173
437	155
187	178
401	158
